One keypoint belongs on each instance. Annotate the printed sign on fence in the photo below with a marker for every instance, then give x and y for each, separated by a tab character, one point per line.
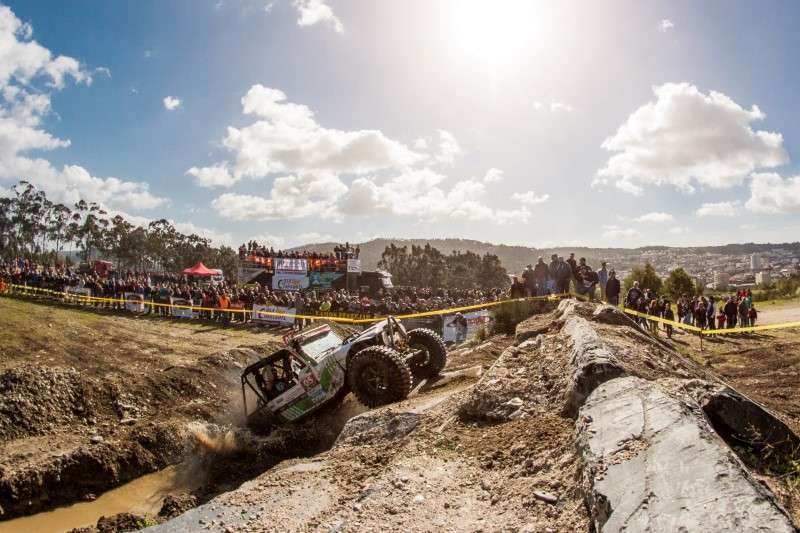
452	331
289	282
354	266
290	264
134	302
181	312
270	319
78	291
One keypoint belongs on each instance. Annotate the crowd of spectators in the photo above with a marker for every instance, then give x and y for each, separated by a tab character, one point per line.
555	278
340	251
224	297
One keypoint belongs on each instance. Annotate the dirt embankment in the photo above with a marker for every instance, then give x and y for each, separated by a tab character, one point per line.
101	400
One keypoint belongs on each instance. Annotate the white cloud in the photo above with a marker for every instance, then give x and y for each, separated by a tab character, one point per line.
561	106
553	106
104	71
287	139
686	136
678	230
419	193
268	240
617	232
171	103
655	216
420	144
665	25
311	12
23	63
529	198
718	209
493	175
213	176
216	237
449	148
290	197
772	194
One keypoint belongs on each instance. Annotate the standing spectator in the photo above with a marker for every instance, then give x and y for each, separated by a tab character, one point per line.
752	315
517	288
731	310
299	309
743	312
528	281
612	288
633	296
721	320
602	279
585	279
540	275
668	315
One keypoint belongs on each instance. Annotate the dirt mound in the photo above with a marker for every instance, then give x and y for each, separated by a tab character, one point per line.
35	400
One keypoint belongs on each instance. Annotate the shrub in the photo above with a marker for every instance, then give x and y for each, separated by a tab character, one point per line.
509	314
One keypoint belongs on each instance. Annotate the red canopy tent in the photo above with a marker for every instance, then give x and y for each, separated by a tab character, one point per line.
200	270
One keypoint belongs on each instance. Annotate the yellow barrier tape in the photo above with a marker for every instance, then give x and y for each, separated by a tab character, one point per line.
661	320
344	320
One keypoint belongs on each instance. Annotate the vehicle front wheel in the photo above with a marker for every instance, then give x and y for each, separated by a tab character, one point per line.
378	375
433	353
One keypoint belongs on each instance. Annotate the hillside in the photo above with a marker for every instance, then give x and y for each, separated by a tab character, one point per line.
514	258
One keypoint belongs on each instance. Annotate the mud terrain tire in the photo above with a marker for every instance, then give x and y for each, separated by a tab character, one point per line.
378	375
436	353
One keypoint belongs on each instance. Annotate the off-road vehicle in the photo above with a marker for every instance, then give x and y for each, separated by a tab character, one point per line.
323	363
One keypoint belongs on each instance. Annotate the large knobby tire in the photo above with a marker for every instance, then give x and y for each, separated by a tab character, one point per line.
378	375
434	353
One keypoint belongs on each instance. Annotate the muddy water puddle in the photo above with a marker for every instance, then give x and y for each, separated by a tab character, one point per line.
140	496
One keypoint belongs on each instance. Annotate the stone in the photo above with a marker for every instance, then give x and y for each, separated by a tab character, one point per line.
96	439
545	496
652	462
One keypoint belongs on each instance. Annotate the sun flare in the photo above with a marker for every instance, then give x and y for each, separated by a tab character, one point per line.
493	30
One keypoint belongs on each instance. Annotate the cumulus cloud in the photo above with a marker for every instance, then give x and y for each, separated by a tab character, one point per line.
313	236
171	103
311	12
529	198
493	175
287	139
617	232
213	176
24	66
655	216
678	230
665	25
772	194
718	209
449	148
687	137
553	106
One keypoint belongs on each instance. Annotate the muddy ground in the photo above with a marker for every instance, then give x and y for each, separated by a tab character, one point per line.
90	400
488	447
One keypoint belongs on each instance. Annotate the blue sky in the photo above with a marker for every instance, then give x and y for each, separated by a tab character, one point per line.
613	123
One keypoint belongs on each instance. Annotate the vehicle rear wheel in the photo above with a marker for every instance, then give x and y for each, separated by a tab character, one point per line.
434	353
378	375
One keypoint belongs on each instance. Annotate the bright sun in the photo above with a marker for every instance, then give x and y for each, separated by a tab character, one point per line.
492	29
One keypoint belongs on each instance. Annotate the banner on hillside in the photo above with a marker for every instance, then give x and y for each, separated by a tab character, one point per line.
181	312
134	302
291	264
452	332
258	315
283	281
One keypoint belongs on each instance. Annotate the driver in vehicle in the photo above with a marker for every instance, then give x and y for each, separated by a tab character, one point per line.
275	379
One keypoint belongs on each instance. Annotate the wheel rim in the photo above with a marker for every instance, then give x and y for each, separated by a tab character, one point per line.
375	379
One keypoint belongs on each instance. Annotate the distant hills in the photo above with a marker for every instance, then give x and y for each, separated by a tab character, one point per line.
514	258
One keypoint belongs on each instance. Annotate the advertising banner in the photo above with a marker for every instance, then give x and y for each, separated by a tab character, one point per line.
288	264
323	280
283	281
354	266
180	312
268	319
134	302
453	332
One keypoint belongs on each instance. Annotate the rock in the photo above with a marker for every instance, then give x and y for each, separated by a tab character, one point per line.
514	402
127	421
176	504
591	361
96	439
608	314
419	498
376	426
653	463
545	496
119	522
